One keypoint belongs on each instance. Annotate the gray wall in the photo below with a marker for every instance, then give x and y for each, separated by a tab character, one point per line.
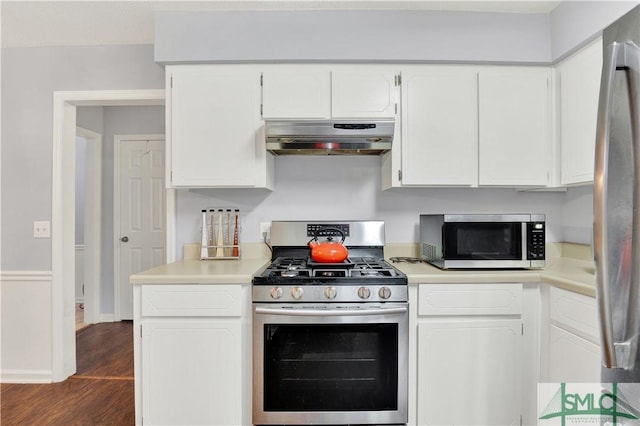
573	23
351	36
29	78
381	35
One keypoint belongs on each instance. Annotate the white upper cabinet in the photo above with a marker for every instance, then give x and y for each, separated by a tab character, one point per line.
296	92
579	81
515	141
440	126
363	93
214	129
473	126
320	92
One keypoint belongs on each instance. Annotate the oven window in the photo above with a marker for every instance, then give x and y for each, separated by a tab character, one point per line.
337	367
482	241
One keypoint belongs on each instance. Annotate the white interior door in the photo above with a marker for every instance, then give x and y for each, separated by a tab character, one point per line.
140	236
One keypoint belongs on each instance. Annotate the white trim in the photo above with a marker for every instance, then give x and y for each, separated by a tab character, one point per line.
62	221
107	318
170	243
25	276
35	288
92	224
111	97
25	376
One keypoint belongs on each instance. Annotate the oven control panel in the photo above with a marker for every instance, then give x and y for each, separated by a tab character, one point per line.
329	293
327	230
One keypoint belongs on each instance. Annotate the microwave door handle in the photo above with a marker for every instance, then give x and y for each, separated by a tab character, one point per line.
524	241
624	56
329	312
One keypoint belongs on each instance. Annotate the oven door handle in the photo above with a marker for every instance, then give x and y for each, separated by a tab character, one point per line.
329	312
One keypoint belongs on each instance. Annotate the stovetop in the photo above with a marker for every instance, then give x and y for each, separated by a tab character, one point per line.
294	277
305	271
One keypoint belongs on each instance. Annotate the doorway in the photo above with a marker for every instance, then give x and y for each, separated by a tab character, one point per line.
65	103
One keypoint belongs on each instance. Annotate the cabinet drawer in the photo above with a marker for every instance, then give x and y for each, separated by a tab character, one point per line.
192	300
470	299
574	310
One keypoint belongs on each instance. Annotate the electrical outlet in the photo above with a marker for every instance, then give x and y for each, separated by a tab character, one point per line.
265	231
42	229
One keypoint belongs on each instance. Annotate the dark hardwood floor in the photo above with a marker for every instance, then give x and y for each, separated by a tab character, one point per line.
101	393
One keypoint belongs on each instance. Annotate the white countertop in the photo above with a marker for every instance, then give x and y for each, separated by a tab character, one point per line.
564	272
570	274
193	271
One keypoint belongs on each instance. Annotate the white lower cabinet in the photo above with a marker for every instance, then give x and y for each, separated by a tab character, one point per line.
191	372
192	354
469	354
572	346
572	359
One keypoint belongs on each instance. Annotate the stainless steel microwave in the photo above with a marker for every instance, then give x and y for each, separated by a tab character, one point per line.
476	241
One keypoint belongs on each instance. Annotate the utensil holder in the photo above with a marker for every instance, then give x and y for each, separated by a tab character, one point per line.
220	234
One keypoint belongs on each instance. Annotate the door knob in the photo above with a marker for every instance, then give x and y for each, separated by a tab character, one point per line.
124	239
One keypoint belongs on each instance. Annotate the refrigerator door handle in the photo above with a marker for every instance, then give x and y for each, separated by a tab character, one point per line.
625	57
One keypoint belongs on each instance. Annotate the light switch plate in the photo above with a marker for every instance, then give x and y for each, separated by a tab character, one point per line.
41	229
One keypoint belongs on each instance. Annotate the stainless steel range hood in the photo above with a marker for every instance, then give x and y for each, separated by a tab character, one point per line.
329	137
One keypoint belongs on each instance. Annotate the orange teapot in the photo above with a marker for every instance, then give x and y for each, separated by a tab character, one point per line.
328	251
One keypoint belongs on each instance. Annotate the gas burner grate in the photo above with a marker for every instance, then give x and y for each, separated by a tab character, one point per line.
369	263
289	263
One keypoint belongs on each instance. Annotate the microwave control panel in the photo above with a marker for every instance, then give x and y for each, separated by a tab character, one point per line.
535	241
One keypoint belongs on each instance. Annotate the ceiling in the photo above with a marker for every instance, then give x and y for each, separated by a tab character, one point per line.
72	23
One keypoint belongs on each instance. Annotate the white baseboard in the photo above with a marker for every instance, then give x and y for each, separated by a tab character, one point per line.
26	376
107	318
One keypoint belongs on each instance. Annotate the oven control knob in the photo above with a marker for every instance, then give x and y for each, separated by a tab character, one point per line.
364	293
276	293
297	292
330	292
384	292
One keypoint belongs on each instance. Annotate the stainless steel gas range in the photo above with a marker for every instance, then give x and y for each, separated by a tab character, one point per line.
330	339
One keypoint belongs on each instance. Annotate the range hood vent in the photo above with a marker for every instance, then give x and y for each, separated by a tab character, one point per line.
329	137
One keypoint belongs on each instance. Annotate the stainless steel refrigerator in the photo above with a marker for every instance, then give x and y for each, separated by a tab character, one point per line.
616	238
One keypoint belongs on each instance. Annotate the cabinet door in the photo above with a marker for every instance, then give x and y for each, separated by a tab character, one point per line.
296	92
214	118
469	372
579	78
191	372
440	126
515	137
363	93
572	359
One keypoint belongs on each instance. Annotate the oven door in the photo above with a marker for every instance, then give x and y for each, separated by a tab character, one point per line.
328	364
485	244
